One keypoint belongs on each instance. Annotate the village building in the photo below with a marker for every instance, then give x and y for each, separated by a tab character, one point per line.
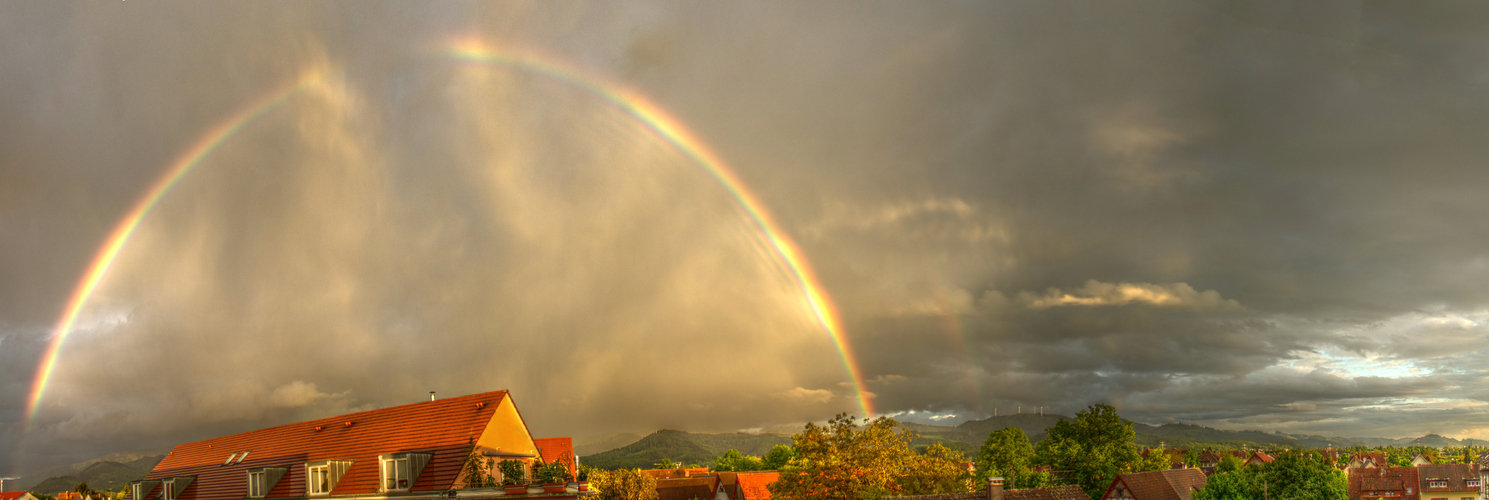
1367	461
1258	458
1208	460
1172	484
753	485
1175	456
410	452
16	495
1391	483
1420	460
1448	481
995	491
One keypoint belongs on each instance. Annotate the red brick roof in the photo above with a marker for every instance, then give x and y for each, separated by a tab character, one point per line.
558	449
442	427
686	488
1457	476
752	485
1172	484
1362	482
11	495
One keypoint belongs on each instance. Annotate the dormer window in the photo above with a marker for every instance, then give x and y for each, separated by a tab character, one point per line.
256	484
168	489
135	493
395	474
262	480
321	477
1473	482
1435	483
401	470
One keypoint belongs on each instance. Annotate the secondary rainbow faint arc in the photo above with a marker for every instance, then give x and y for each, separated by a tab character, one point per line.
126	227
671	130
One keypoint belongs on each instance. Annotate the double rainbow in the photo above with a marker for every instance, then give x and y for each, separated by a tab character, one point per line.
656	119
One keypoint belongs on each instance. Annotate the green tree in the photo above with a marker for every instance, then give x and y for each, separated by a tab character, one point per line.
1006	453
845	461
476	470
1094	447
625	484
1233	485
667	464
1191	458
1157	459
82	489
778	457
1228	463
734	461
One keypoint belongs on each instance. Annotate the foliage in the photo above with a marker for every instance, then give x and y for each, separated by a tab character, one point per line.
778	457
1094	447
512	473
1007	453
668	464
843	461
1293	476
1191	458
1157	459
476	470
1228	463
585	473
734	461
625	484
939	470
82	489
555	472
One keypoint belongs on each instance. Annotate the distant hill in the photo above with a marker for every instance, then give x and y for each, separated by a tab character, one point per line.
684	447
101	474
590	445
1032	424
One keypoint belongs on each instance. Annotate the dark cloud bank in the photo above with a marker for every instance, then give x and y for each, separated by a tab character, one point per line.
1246	215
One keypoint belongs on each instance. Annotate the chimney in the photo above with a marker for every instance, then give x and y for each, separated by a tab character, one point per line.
431	395
995	488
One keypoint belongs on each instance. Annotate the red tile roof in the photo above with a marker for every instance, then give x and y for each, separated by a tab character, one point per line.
687	488
752	485
442	427
1260	457
11	495
1373	482
1172	484
558	449
1457	476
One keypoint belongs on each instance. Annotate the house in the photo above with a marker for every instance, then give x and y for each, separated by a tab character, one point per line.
1420	460
1448	481
1258	458
687	488
675	473
1395	483
16	495
753	485
1208	460
1367	460
412	452
558	450
1172	484
995	491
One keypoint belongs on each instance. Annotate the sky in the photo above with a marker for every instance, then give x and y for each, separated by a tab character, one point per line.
722	216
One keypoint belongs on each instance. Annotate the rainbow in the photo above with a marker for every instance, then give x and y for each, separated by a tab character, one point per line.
183	165
670	129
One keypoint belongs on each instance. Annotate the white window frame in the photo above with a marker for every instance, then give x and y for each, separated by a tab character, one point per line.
1435	483
256	484
391	473
135	490
168	489
1473	482
314	472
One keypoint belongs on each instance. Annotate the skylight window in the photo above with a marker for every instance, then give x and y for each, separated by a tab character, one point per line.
243	456
230	458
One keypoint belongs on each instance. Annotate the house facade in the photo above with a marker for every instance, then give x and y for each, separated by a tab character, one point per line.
1448	481
1388	483
412	452
1172	484
16	495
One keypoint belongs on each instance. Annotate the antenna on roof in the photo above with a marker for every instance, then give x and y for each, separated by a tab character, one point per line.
431	395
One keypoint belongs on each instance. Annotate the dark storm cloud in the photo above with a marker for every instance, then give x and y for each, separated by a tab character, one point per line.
1243	214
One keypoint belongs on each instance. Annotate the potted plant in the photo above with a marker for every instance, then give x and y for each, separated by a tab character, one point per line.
584	477
512	477
554	477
